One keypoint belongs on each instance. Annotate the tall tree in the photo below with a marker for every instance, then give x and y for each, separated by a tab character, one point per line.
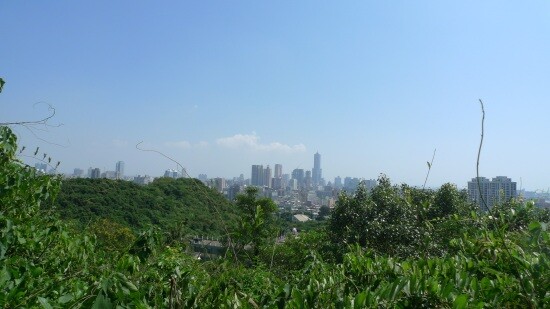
257	224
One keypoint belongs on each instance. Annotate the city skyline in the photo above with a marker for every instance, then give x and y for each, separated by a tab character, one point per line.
373	87
261	177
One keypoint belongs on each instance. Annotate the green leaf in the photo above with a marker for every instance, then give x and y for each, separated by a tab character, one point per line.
534	226
44	303
298	299
460	302
131	286
360	298
102	302
106	284
65	299
4	276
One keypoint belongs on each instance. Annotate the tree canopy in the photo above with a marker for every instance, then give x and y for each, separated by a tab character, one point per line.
167	203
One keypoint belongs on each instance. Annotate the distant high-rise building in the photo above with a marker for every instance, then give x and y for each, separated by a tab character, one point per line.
316	171
350	184
119	170
109	175
370	183
278	171
298	174
143	180
286	179
170	173
233	191
338	182
219	184
203	178
307	180
78	172
95	173
267	177
257	178
495	191
293	184
277	180
277	183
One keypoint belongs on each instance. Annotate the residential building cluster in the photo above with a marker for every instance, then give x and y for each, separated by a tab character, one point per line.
116	174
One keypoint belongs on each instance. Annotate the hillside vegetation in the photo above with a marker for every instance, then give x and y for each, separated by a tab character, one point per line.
184	204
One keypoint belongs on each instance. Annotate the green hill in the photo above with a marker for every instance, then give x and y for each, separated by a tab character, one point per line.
167	203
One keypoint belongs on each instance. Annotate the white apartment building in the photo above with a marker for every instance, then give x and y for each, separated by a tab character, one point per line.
498	190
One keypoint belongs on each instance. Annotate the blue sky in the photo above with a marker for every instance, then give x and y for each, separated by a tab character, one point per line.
375	87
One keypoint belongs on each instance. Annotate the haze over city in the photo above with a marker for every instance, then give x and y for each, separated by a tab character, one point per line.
373	87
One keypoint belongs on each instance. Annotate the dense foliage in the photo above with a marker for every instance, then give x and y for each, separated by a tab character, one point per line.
392	247
401	221
184	204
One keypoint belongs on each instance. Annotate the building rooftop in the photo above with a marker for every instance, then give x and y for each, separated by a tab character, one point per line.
301	218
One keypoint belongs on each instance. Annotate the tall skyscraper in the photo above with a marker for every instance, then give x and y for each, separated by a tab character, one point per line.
286	179
298	174
278	171
316	171
497	190
257	177
277	181
267	177
307	180
119	170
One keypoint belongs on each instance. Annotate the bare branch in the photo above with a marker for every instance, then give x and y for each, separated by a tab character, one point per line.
31	130
38	125
483	202
43	121
162	154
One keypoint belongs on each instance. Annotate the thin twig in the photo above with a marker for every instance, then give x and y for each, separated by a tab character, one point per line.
429	169
483	202
31	130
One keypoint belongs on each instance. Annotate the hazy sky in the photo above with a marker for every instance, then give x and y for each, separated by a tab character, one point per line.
375	87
